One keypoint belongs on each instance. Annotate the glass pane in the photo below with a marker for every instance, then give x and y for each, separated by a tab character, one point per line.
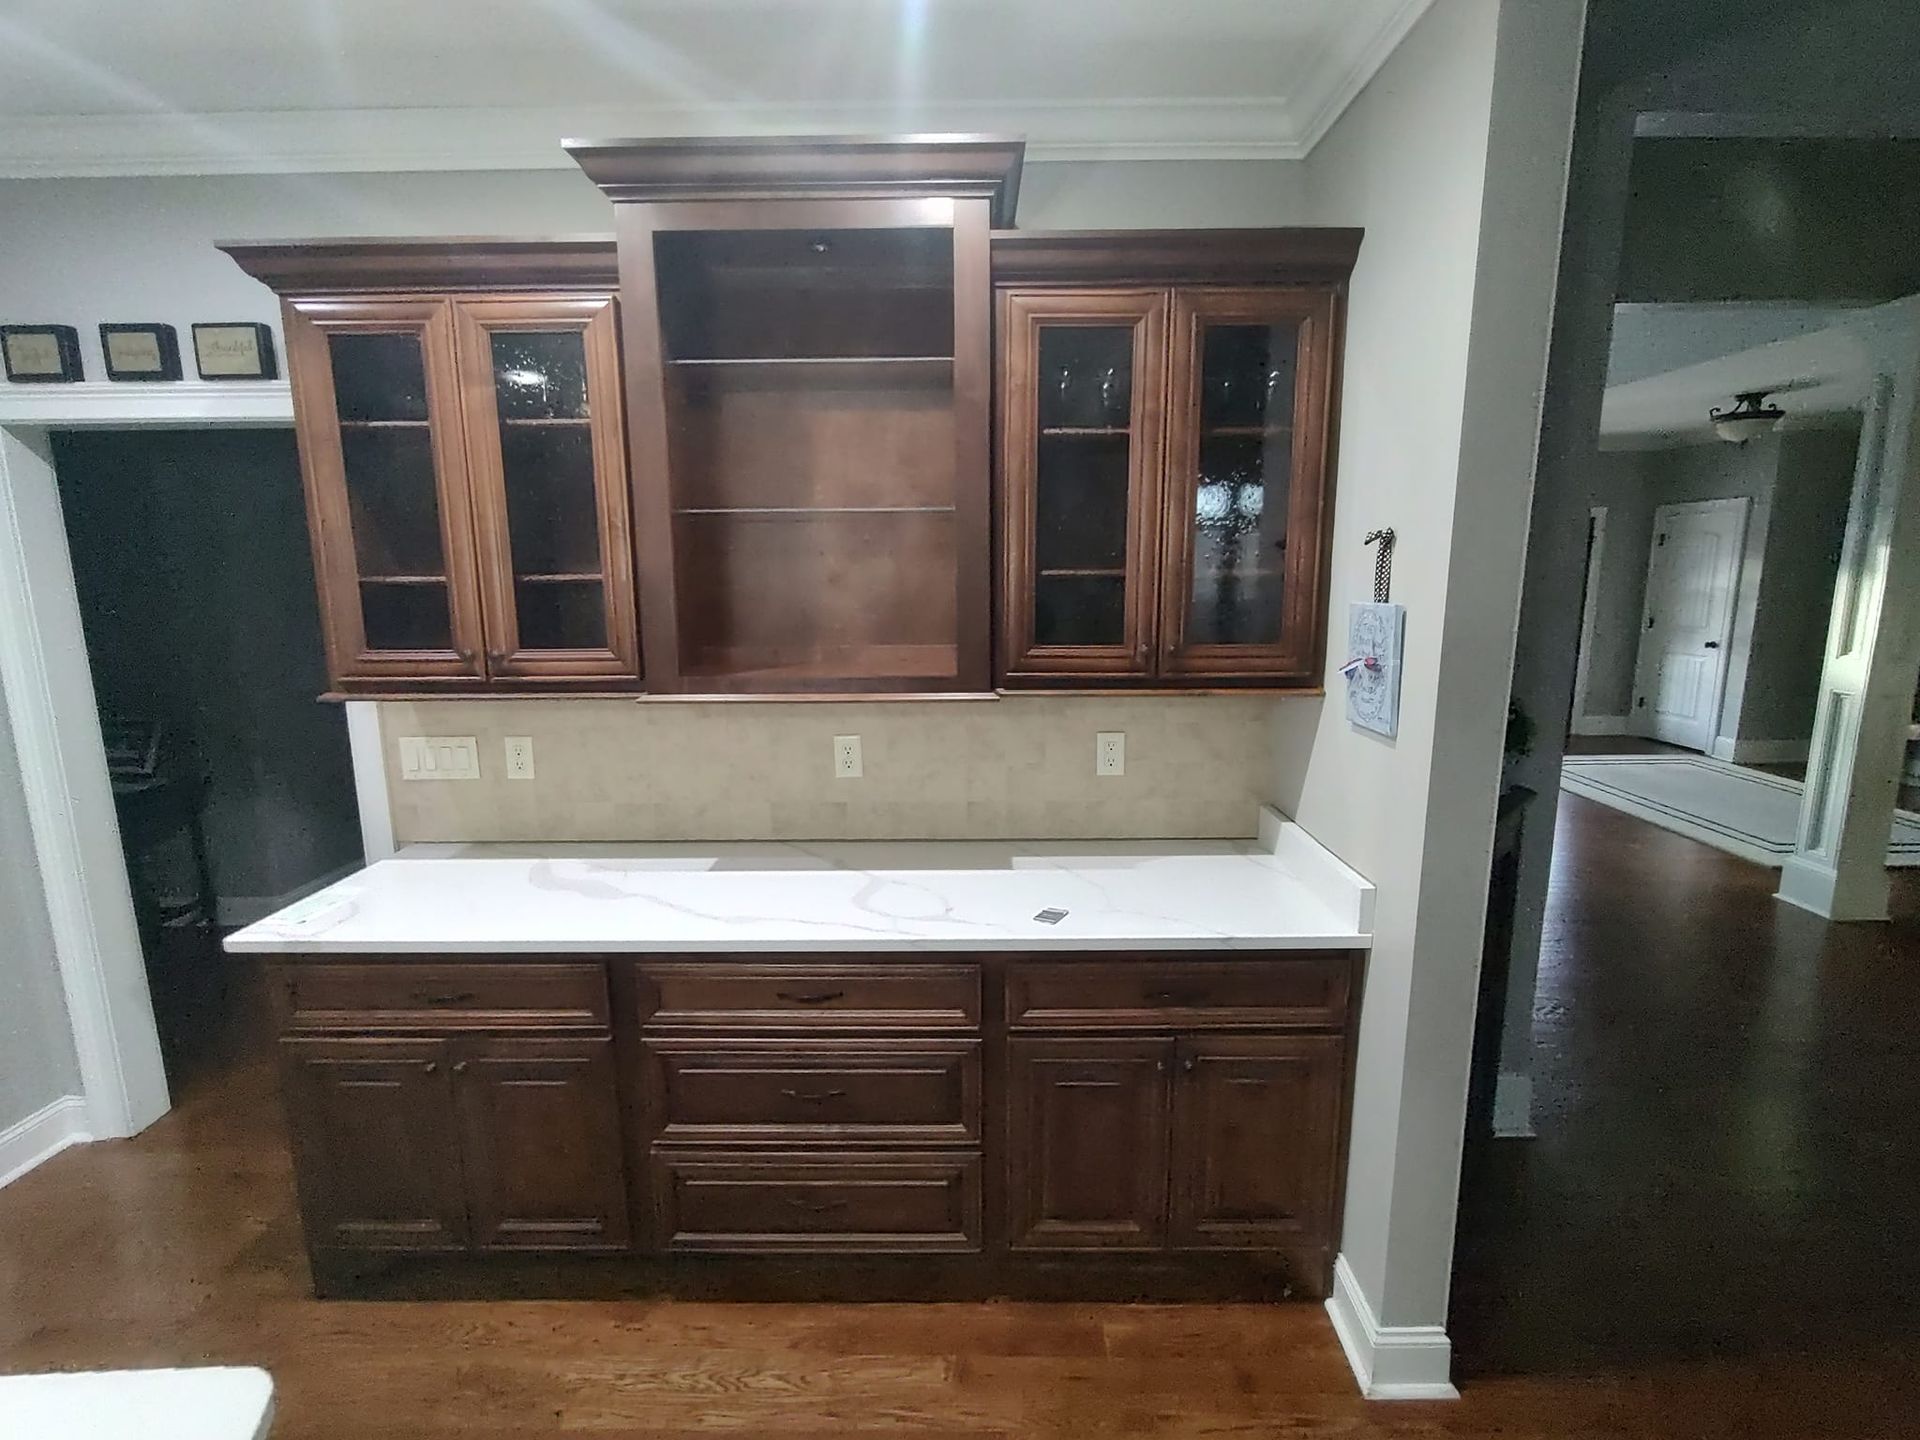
1086	376
1241	492
553	518
406	614
560	614
379	378
1079	610
540	374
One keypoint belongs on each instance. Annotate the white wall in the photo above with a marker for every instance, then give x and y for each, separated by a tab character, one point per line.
1452	165
79	252
37	1062
1616	481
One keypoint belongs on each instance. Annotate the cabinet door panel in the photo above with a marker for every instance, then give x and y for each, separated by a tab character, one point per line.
541	376
377	413
540	1134
1082	397
1087	1144
1247	494
374	1147
1256	1140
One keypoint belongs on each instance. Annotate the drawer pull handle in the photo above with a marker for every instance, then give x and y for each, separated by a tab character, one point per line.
817	1097
451	997
816	1207
809	997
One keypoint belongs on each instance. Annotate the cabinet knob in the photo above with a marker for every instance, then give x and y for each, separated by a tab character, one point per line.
431	1067
496	657
466	656
460	1066
1187	1066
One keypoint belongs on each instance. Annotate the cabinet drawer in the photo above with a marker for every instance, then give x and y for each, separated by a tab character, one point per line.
400	994
1309	990
920	997
806	1092
792	1203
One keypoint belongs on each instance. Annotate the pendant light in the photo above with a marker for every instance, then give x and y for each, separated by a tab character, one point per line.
1750	416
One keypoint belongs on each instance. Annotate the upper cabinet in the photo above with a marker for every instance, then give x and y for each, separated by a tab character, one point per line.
465	462
1164	464
809	375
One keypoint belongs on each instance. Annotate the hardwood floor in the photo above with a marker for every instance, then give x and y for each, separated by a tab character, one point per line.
1714	1236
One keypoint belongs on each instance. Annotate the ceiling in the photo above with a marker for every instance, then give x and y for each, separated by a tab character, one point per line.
101	87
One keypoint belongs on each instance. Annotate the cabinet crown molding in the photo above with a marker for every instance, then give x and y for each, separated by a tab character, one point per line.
838	167
455	262
1220	257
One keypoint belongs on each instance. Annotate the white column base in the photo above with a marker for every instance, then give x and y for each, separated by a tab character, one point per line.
1812	885
1391	1362
1513	1106
41	1136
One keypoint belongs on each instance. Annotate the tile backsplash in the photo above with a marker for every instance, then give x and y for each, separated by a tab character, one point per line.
1021	768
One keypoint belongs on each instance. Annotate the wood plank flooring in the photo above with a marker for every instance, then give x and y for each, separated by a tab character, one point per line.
1715	1235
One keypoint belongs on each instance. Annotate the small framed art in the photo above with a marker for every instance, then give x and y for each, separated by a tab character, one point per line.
40	354
238	351
140	352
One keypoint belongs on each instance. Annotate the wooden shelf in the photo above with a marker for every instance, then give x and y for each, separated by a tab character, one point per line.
386	424
1232	432
1057	431
810	512
777	361
1064	573
403	579
748	668
536	422
582	577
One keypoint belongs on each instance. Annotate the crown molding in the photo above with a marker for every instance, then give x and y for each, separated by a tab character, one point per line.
179	402
1348	58
281	142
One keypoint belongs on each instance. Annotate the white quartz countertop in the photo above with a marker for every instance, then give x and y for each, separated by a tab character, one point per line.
1282	891
217	1403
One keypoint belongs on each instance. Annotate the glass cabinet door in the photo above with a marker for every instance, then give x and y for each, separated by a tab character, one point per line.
377	411
1246	484
1082	401
548	456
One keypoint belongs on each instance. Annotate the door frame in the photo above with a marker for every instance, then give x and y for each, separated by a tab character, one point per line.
1640	720
1590	613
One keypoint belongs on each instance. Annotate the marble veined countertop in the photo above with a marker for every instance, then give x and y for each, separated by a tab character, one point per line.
1281	891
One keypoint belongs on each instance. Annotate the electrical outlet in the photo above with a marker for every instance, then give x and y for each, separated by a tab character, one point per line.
439	757
1110	752
519	757
846	757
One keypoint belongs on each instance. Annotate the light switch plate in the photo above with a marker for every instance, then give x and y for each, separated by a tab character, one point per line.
519	757
439	757
1110	752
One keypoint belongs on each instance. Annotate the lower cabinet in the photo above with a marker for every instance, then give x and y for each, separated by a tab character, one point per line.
1199	1142
1036	1114
465	1142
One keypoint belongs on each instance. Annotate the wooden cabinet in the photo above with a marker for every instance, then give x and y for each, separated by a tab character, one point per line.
1022	1119
464	453
1087	1144
489	1130
372	1124
808	364
1165	477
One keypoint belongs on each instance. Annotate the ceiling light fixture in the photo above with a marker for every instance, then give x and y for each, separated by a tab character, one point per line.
1750	416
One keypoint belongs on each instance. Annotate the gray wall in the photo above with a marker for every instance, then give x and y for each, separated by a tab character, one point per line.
37	1064
191	559
79	252
1798	487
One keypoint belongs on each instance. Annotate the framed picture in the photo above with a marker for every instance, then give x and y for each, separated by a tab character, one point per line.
140	352
237	351
41	354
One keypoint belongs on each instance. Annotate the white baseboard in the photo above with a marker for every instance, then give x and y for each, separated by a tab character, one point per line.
1391	1362
41	1136
1513	1106
1600	724
237	910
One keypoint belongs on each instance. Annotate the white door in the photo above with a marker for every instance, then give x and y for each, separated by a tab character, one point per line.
1692	574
